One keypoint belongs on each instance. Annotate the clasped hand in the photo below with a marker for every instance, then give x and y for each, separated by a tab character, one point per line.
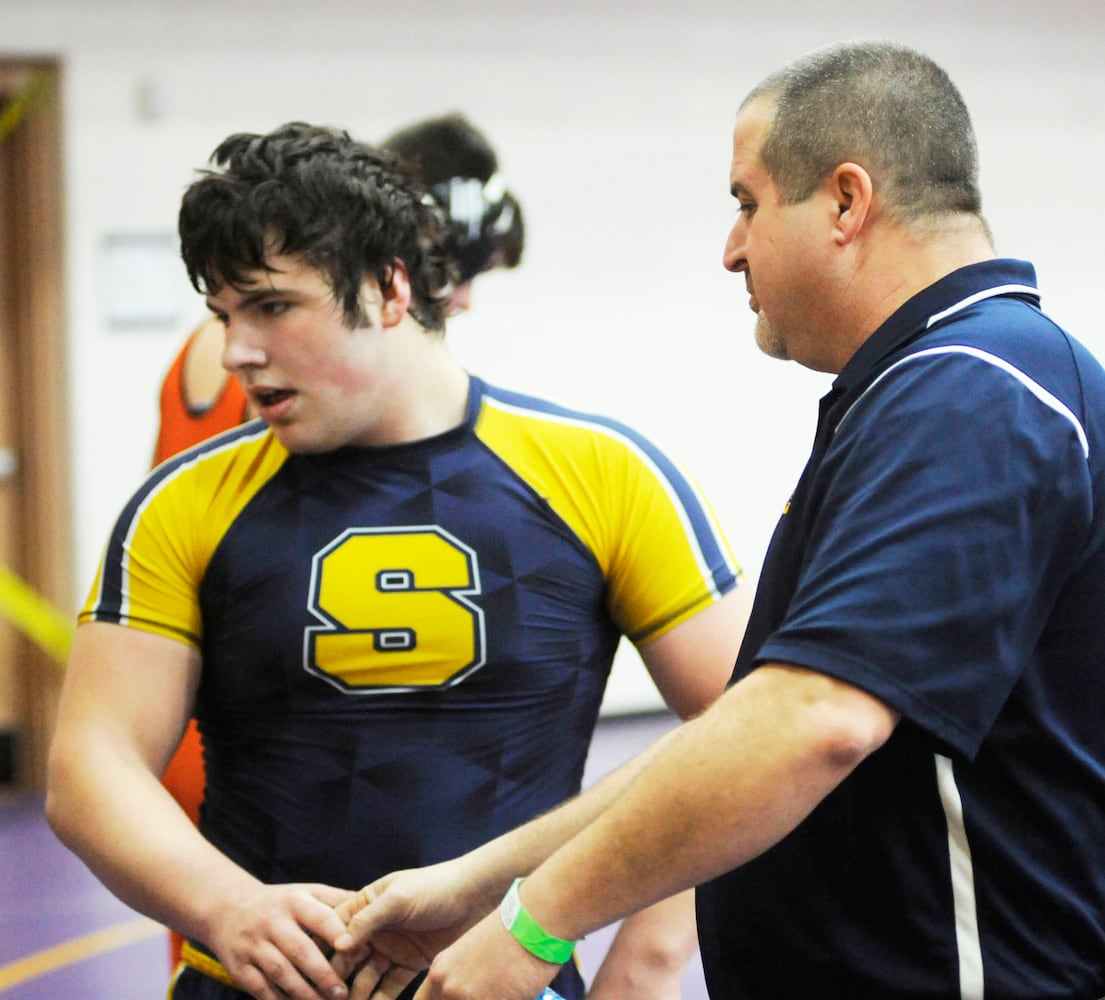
315	942
400	924
396	926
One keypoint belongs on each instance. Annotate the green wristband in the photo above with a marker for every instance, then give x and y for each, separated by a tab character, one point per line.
529	933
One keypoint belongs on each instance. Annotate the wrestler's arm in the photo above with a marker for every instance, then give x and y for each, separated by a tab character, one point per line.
126	698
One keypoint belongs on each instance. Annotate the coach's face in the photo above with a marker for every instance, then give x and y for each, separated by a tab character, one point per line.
779	247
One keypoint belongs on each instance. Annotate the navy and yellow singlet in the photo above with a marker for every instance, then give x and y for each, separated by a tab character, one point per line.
405	648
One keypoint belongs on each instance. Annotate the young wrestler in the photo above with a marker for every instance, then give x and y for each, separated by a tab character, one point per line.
200	398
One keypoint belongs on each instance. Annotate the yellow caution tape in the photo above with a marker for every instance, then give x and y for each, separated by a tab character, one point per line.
32	614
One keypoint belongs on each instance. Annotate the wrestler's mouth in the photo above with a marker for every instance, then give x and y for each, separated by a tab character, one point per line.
273	405
271	397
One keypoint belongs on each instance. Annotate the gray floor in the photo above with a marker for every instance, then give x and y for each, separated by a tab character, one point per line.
62	935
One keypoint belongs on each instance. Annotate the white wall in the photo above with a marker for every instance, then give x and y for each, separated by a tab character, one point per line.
613	123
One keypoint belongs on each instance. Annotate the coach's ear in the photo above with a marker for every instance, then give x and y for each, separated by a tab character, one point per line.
854	191
397	296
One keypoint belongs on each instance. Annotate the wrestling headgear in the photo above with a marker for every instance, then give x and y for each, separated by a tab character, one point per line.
487	228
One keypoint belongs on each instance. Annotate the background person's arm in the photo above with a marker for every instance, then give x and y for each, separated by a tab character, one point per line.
650	953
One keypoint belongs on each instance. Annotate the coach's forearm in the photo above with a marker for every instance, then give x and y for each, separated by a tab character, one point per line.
494	865
727	786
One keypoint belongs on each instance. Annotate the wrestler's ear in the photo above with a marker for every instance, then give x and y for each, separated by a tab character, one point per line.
396	298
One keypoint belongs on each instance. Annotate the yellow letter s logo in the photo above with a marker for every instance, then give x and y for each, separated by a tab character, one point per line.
395	608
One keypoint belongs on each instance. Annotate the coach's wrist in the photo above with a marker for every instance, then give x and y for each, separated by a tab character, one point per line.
528	932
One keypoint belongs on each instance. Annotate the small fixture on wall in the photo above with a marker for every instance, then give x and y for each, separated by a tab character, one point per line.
149	100
142	280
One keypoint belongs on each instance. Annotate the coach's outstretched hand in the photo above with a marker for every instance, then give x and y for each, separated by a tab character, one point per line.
396	925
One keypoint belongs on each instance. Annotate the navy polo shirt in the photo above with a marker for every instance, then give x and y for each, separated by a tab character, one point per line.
944	550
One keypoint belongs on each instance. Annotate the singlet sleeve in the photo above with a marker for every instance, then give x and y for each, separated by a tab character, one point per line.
661	550
153	565
149	573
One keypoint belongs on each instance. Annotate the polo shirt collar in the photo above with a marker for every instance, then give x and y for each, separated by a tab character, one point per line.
956	290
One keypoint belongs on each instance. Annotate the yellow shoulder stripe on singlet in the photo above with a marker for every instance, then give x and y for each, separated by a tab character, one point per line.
620	503
168	546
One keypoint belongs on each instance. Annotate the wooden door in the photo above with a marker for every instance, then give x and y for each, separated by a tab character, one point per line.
35	544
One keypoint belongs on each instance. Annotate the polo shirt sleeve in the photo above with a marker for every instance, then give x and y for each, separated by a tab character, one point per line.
952	502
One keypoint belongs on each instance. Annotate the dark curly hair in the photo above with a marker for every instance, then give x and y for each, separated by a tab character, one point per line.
343	206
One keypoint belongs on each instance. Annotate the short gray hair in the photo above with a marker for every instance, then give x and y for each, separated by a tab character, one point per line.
884	106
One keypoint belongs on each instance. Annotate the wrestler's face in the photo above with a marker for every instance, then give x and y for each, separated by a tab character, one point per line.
316	382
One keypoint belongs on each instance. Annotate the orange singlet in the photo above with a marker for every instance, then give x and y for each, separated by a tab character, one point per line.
183	425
